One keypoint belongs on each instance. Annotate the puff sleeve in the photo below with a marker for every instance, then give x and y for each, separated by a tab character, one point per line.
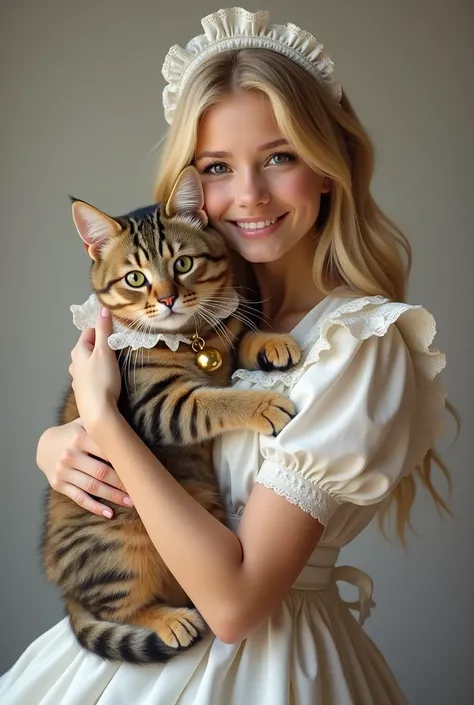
357	428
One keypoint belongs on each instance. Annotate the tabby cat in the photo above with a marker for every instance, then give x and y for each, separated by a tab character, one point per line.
165	268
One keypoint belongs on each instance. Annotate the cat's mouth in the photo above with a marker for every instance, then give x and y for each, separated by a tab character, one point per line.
173	321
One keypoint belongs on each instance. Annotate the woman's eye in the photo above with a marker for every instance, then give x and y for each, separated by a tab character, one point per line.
183	265
282	158
216	168
135	279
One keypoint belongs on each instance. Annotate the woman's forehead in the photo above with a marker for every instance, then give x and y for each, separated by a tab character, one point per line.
241	119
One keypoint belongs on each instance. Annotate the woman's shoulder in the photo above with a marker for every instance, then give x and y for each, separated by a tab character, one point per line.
368	316
362	317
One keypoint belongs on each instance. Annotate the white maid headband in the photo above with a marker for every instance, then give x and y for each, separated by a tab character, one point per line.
235	28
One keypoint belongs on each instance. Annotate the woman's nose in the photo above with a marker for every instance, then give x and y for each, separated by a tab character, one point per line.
252	190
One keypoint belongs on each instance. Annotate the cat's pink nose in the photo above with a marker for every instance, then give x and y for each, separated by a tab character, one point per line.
168	300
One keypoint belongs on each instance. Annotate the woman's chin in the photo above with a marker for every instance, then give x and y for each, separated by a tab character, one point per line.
265	253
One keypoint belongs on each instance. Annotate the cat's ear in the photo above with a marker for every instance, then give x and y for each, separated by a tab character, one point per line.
95	227
187	197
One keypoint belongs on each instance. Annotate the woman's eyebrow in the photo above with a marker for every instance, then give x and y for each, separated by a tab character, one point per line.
225	155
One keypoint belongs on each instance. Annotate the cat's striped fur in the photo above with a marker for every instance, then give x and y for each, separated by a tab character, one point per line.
122	601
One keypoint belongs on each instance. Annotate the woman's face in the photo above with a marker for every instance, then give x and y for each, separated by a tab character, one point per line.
258	193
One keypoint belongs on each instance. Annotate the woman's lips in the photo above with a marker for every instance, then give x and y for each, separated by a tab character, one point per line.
258	232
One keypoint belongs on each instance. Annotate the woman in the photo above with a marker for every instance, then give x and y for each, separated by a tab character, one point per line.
285	167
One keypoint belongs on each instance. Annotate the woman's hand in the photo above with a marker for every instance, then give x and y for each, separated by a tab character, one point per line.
64	455
95	373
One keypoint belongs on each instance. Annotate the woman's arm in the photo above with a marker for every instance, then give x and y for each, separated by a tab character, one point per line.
349	442
236	582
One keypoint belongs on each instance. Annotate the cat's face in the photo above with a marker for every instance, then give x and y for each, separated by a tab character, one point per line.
158	269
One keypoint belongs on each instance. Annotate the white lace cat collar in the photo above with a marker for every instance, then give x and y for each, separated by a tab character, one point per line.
85	316
236	28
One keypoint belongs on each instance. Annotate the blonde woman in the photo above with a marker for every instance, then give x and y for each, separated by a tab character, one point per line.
285	167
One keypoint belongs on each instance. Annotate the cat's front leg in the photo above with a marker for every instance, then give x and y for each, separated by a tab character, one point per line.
268	351
210	411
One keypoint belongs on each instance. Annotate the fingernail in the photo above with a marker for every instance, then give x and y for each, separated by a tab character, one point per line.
105	313
107	513
128	501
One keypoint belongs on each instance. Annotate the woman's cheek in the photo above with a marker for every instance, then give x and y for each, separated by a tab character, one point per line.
215	200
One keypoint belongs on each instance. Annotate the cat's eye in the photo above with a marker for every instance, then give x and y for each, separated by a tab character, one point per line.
183	265
135	279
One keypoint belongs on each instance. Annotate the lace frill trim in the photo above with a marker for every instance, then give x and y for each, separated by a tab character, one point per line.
236	28
297	490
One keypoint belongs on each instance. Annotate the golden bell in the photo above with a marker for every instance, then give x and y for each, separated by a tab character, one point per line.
209	359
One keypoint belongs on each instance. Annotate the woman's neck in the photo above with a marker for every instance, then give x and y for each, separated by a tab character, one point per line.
287	289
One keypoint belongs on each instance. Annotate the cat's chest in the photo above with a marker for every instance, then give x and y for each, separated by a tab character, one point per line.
162	367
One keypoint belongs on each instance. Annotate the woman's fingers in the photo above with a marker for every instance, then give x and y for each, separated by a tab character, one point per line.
83	499
90	475
86	483
73	465
103	329
101	477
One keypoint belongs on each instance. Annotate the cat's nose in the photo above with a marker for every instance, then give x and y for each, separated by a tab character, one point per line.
168	300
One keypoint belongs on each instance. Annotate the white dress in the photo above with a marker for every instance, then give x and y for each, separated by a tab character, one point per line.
369	406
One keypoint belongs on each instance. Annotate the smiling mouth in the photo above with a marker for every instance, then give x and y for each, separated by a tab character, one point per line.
257	224
255	228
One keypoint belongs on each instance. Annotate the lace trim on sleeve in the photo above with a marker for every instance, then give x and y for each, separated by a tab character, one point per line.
297	490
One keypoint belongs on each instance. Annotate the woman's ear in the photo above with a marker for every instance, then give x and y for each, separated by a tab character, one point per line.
327	185
187	197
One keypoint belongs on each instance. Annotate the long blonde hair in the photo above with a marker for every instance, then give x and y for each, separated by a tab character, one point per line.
357	244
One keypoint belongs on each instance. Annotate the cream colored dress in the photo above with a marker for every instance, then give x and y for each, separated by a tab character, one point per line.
369	406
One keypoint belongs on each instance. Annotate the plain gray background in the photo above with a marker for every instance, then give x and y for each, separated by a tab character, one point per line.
81	114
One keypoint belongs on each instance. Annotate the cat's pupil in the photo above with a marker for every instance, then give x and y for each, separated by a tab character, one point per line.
183	265
135	279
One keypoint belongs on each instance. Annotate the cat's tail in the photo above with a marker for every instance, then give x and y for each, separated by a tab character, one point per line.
114	641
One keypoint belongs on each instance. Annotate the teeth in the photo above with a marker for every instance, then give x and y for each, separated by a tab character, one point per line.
257	226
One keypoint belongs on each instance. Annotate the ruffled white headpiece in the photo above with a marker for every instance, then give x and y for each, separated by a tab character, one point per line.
85	316
235	28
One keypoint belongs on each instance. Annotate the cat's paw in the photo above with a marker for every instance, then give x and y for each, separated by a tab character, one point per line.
180	627
274	412
279	353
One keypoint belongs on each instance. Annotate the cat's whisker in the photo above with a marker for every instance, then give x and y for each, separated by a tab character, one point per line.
142	320
242	306
141	324
239	315
249	324
124	370
225	341
232	289
223	332
218	327
119	358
